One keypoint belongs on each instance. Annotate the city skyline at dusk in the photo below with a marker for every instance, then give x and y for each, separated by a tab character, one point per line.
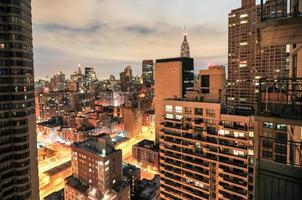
110	35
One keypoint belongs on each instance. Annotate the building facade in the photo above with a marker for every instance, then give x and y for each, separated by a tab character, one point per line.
146	153
248	61
279	116
205	154
97	171
173	78
148	73
18	143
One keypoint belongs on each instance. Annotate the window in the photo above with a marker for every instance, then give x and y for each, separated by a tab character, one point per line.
211	112
241	134
169	116
268	125
198	111
281	127
205	81
179	117
251	134
251	152
169	108
188	110
178	109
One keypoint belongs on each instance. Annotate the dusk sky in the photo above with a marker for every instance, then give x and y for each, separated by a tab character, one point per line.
111	34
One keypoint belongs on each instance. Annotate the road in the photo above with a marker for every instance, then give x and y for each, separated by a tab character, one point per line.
63	154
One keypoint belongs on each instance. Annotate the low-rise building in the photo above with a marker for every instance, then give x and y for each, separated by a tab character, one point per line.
146	153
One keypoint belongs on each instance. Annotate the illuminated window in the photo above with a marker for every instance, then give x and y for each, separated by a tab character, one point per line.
251	134
179	117
169	116
169	108
107	162
243	43
243	22
251	152
178	109
243	15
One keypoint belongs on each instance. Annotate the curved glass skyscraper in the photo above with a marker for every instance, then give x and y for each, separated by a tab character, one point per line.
18	151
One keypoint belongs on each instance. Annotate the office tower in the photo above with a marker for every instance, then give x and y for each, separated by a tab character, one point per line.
279	116
148	73
90	74
97	171
204	153
18	143
173	78
247	60
211	83
126	78
185	48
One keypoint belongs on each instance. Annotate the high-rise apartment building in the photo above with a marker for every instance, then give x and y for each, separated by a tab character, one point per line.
97	171
148	72
247	60
205	154
173	78
279	116
18	143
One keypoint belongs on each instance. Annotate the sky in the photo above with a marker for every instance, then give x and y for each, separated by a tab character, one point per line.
112	34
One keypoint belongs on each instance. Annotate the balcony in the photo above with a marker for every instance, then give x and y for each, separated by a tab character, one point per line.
280	98
283	152
281	22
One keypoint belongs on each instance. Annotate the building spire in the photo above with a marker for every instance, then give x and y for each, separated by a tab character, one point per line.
185	48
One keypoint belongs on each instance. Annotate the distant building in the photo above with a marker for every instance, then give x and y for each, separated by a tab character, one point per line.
185	48
146	153
97	171
90	74
148	73
148	189
126	78
132	121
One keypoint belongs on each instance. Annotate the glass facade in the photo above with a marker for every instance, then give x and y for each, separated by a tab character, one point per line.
17	119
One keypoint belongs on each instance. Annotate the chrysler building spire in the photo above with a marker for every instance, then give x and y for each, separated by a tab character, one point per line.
185	48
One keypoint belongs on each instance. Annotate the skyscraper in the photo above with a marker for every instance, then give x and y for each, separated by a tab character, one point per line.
18	145
247	60
185	48
148	72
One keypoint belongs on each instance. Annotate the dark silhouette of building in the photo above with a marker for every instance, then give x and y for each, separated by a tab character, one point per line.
18	143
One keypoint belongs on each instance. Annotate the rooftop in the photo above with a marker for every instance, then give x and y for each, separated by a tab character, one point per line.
149	144
147	189
100	145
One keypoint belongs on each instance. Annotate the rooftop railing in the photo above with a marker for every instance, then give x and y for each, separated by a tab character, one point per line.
280	98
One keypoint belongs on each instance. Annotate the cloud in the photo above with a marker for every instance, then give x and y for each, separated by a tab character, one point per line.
111	34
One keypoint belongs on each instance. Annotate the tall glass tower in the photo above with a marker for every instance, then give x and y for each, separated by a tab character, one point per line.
18	149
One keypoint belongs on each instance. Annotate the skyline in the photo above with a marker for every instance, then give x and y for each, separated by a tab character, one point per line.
141	34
